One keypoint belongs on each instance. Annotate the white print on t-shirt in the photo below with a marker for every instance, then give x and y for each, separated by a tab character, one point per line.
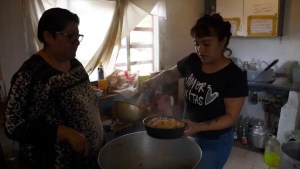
196	90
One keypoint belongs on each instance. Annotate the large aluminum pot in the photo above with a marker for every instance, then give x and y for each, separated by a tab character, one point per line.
140	151
290	155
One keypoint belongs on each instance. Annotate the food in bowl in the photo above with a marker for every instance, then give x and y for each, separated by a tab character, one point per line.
165	122
164	127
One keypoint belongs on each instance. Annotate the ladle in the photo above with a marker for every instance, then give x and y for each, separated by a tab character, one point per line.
266	69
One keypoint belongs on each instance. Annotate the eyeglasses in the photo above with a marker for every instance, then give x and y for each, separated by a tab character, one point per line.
72	37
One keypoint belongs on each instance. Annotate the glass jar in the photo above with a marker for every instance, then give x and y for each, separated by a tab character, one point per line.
272	152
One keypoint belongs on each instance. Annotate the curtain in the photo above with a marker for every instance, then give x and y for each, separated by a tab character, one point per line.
107	52
32	12
95	19
103	22
128	15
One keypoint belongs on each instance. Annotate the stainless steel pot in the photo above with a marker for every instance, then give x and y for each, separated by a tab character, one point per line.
290	155
140	151
257	135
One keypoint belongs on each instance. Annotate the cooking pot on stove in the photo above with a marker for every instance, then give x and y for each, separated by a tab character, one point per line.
290	156
140	151
258	134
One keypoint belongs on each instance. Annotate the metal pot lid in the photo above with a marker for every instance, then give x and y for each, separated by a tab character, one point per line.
257	123
259	131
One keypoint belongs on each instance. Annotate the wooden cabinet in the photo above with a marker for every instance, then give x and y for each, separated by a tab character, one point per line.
251	18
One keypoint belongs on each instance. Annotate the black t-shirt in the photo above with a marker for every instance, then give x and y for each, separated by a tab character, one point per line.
205	92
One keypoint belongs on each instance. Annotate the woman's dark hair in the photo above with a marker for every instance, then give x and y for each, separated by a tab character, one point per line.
212	25
55	20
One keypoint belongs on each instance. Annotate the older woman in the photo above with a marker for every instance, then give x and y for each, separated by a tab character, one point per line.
52	110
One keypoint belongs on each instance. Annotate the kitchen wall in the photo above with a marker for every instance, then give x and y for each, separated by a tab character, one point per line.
12	48
285	48
177	43
12	44
175	39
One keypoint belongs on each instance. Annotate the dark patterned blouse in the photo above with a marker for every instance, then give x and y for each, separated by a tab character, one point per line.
41	98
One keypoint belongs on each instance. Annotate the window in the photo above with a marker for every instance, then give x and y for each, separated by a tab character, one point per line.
138	52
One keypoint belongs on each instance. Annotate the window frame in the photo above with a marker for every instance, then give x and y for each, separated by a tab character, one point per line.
152	46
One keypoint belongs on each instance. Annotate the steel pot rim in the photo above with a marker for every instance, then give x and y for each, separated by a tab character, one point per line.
286	161
143	133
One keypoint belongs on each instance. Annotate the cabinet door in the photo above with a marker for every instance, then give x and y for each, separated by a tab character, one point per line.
233	11
261	17
255	18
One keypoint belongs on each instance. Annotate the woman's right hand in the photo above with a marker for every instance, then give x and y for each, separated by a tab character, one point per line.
74	138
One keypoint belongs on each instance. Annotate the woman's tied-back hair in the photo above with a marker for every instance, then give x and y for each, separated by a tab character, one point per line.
212	25
55	20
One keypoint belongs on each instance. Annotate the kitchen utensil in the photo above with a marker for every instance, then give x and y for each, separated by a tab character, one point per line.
163	133
271	64
267	68
290	156
128	113
257	134
140	151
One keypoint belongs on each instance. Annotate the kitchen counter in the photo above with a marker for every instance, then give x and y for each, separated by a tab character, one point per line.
248	147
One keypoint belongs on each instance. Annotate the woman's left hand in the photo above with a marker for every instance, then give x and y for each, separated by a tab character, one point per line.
192	128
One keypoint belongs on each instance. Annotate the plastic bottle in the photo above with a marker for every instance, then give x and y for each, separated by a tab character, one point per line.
272	152
235	134
100	71
244	137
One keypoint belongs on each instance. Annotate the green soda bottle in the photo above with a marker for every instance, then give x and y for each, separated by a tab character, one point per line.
272	152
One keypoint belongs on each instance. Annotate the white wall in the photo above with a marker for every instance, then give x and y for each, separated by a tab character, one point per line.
175	39
12	48
12	44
